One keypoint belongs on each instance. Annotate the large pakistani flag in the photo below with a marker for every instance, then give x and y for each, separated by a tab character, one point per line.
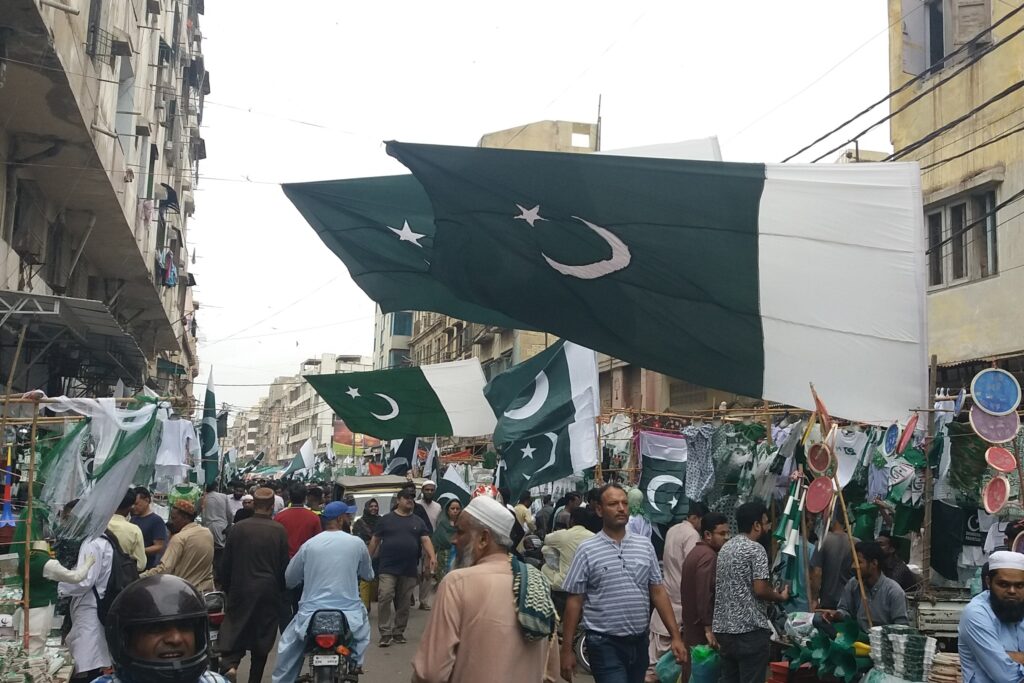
546	409
382	229
749	278
444	399
663	479
208	435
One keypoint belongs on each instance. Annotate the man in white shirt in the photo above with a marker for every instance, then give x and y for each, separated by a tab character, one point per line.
432	510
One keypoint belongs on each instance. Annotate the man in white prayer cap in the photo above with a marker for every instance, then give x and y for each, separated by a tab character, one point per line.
492	618
992	625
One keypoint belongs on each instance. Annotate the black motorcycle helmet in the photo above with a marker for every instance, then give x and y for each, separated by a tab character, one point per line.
154	600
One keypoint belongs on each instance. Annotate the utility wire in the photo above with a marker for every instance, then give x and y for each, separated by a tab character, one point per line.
917	98
914	80
977	221
1002	136
898	154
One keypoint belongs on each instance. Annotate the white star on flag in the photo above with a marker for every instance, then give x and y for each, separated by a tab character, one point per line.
353	392
531	216
528	451
407	235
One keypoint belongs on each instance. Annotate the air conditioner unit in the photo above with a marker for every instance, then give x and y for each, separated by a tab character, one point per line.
142	127
186	184
168	146
188	203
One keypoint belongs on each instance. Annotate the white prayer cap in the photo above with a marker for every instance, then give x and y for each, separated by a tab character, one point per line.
1005	559
247	498
492	515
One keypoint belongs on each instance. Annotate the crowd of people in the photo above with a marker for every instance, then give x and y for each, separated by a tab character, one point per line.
472	568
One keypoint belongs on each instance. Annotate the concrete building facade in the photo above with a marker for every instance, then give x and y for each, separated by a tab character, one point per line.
971	174
391	333
100	142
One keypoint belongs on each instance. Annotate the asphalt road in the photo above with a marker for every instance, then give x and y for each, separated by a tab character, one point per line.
388	665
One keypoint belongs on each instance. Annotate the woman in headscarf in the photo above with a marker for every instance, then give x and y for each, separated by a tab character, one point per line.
443	538
363	528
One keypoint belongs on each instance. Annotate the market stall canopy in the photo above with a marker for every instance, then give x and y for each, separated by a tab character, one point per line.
88	323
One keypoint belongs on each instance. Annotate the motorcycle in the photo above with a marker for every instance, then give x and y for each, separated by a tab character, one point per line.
579	640
329	647
215	614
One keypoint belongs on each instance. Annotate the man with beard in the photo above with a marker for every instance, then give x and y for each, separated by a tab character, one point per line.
992	625
476	632
237	496
886	599
190	553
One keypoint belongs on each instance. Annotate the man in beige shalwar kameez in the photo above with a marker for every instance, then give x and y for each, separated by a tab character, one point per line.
474	632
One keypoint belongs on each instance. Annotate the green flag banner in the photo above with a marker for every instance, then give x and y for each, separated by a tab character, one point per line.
535	461
690	267
208	434
452	486
444	399
663	479
403	451
382	229
546	407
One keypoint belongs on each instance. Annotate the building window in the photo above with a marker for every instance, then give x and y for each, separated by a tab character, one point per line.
398	358
936	32
962	239
92	40
401	324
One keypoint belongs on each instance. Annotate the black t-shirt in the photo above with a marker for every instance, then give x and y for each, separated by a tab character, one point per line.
153	529
400	543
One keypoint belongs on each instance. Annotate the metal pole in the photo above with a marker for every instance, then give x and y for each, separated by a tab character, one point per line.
28	528
929	487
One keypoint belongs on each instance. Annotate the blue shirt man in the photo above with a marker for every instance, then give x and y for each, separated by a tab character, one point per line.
991	628
329	567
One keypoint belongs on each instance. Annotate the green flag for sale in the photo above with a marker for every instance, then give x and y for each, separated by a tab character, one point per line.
663	479
208	434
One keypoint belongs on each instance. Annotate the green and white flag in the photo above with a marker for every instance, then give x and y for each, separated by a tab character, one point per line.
304	460
399	462
452	485
750	278
663	479
208	435
431	464
382	229
445	399
546	409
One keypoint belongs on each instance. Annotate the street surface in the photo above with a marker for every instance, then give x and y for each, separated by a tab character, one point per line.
390	665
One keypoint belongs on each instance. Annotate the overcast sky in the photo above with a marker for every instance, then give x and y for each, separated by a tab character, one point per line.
308	89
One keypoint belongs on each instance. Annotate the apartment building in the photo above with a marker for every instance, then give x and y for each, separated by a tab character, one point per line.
964	132
100	141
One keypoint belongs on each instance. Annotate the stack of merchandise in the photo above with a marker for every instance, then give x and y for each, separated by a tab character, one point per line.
946	668
902	651
16	666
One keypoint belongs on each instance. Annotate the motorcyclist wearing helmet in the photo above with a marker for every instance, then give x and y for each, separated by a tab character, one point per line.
157	632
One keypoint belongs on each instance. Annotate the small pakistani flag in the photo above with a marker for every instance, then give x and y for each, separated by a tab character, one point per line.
304	460
430	465
445	399
546	409
532	462
452	486
208	435
664	477
402	453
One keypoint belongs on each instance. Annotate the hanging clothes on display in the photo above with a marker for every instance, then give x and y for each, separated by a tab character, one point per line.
178	445
700	469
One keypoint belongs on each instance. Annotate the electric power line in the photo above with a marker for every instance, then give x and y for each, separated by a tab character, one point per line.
917	144
914	80
1002	136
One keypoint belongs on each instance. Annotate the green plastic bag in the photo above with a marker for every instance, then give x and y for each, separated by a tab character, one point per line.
704	664
667	670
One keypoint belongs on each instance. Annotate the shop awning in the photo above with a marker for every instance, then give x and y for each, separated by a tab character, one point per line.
88	323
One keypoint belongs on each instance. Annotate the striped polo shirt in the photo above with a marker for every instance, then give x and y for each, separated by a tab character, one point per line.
615	580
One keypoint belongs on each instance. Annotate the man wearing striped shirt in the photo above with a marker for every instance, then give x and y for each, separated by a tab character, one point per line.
613	581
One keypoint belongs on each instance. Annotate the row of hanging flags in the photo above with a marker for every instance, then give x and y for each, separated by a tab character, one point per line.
541	413
749	278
